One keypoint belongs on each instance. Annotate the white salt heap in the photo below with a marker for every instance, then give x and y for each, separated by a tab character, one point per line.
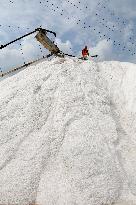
67	134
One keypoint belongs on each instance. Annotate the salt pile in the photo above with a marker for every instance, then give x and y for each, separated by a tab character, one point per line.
63	140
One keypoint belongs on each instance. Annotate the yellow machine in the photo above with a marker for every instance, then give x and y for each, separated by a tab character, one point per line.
46	42
43	39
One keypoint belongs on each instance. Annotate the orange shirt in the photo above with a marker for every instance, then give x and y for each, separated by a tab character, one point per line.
85	52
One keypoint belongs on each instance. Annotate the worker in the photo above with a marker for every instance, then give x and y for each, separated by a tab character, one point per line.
85	53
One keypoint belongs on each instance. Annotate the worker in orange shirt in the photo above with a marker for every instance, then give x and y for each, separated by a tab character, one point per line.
85	53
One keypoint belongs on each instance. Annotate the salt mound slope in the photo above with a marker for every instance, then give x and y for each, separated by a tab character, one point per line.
58	136
121	84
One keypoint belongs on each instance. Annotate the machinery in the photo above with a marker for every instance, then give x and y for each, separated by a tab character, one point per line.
46	42
42	38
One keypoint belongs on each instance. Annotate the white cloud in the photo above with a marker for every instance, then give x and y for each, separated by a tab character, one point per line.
10	58
12	55
103	49
66	46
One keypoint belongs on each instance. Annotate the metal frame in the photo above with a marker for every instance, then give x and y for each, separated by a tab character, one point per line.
17	39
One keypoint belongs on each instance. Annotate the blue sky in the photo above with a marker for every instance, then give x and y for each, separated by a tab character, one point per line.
106	26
